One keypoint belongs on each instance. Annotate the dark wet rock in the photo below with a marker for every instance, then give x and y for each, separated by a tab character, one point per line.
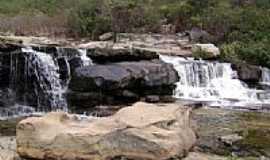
124	75
152	99
64	68
104	55
74	63
7	98
126	82
4	70
57	51
85	100
46	49
248	73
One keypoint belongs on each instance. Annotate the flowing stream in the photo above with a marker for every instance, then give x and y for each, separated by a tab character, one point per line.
35	83
265	76
214	83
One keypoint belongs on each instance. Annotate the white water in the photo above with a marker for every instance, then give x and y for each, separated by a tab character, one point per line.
47	72
86	60
14	110
213	83
265	76
49	89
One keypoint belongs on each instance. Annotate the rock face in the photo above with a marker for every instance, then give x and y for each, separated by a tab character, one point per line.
248	73
144	131
126	81
7	45
120	53
130	47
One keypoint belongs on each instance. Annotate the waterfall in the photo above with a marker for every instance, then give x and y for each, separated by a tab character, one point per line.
86	60
211	82
265	76
46	70
38	81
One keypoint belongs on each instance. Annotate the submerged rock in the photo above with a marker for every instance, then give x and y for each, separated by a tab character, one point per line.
143	131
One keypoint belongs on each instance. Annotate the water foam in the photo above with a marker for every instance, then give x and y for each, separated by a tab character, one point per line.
213	83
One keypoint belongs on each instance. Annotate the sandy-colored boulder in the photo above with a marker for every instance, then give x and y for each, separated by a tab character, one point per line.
205	51
143	131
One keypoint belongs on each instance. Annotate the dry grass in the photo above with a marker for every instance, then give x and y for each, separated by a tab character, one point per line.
38	25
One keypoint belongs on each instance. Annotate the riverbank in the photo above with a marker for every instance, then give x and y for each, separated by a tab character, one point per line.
222	135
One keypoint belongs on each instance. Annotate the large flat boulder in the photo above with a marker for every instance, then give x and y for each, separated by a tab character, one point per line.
143	131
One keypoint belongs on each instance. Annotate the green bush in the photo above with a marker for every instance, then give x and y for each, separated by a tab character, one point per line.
87	19
240	28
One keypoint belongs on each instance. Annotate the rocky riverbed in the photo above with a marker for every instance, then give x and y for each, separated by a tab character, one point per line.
222	135
231	132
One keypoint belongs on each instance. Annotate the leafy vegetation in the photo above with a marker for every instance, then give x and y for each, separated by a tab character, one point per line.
240	27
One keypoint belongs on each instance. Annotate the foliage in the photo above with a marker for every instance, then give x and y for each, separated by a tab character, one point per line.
87	19
241	28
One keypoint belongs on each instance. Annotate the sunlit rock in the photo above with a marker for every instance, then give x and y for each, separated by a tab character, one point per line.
143	131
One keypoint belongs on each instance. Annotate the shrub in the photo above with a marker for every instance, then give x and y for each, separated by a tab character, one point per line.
240	27
87	19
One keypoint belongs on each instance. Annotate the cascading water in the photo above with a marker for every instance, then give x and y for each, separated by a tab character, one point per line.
86	60
265	76
213	83
46	71
36	82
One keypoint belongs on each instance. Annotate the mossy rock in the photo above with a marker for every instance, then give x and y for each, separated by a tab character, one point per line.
254	127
